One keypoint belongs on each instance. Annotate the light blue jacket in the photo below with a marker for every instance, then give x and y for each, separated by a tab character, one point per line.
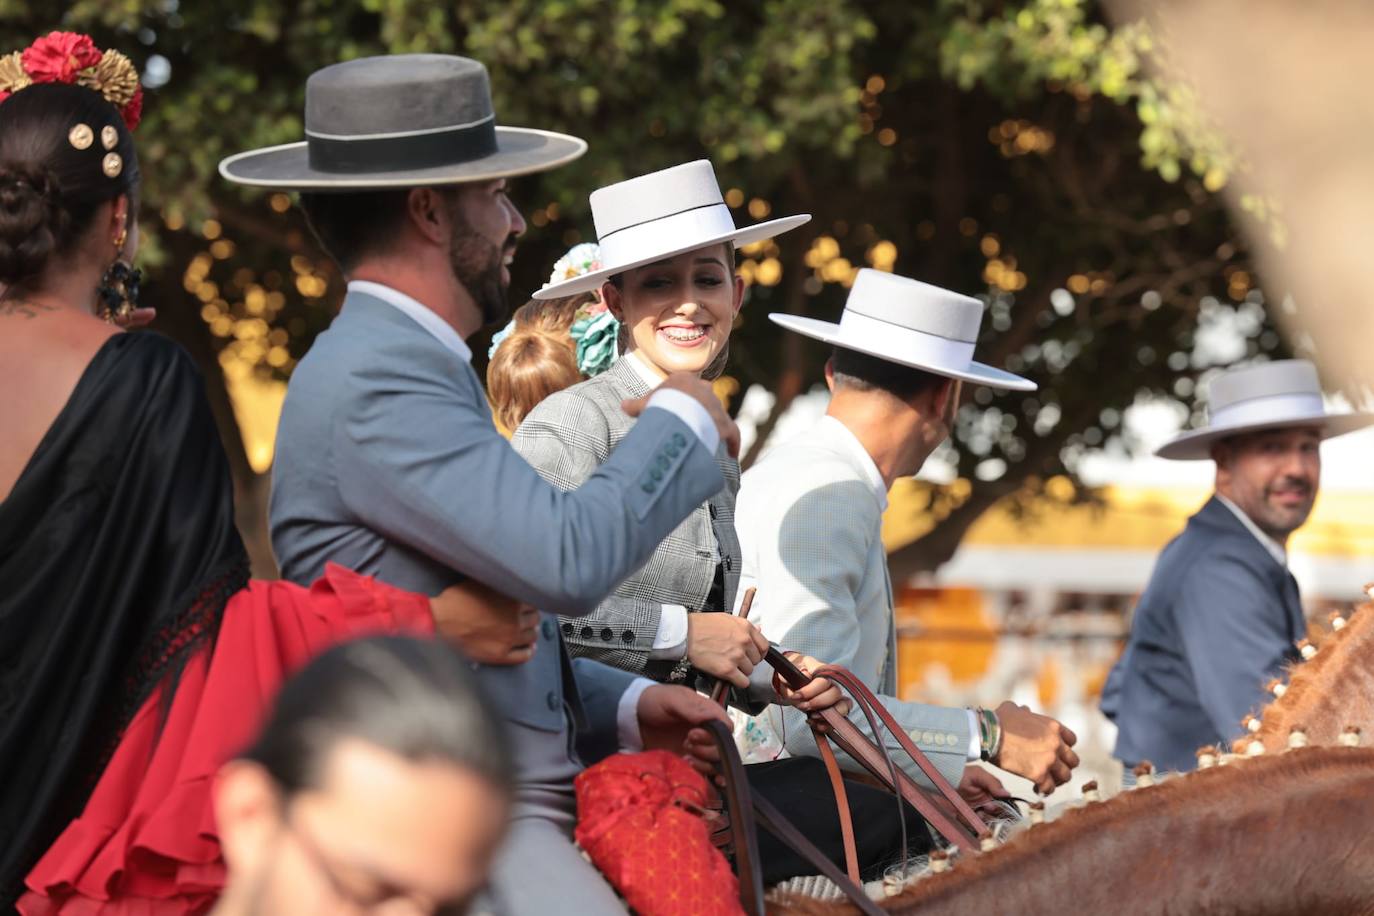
387	462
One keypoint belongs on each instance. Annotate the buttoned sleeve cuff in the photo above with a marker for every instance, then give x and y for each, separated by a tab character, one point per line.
627	715
975	744
670	642
687	409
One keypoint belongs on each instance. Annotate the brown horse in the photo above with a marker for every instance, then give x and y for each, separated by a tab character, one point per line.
1278	834
1327	694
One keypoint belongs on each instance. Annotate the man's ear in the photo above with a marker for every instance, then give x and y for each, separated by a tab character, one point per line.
429	214
830	374
942	397
1222	453
247	809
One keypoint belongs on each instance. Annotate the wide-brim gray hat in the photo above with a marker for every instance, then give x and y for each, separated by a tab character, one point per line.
400	121
911	323
1279	395
662	215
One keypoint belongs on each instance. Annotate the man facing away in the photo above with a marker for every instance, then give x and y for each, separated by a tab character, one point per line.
387	460
810	523
1221	613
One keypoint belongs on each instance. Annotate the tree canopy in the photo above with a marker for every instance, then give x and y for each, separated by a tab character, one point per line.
1015	150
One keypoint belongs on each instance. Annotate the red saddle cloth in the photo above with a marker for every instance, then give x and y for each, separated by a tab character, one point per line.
638	820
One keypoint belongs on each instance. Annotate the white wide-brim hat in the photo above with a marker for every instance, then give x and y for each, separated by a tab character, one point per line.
662	215
911	323
1277	395
400	121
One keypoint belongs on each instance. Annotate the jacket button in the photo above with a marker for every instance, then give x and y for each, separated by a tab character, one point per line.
679	440
586	632
606	634
727	562
647	486
655	475
552	700
547	628
673	451
567	629
628	636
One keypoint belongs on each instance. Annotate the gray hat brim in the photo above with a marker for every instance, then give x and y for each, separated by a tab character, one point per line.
519	151
747	236
975	372
1197	445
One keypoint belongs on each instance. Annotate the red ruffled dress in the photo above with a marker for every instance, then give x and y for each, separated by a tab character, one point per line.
146	841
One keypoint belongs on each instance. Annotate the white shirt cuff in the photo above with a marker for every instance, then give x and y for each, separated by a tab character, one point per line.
670	642
975	743
687	409
627	715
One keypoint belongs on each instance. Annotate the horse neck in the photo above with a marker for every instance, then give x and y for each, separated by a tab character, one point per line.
1332	691
1275	835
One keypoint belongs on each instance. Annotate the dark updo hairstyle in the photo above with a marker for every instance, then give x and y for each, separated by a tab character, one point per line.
49	189
415	698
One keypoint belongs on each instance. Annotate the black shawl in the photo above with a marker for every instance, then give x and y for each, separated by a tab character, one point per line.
118	552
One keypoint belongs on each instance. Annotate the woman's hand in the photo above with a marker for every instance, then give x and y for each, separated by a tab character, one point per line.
487	626
724	646
820	694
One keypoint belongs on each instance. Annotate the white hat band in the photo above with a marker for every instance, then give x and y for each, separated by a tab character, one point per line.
876	335
1272	409
668	233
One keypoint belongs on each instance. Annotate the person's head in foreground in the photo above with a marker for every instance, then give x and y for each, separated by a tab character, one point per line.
1264	430
380	781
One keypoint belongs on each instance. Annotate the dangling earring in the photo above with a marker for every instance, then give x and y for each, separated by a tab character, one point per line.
118	289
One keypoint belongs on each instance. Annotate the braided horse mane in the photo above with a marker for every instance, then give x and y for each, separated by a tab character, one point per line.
1256	835
1329	694
1280	833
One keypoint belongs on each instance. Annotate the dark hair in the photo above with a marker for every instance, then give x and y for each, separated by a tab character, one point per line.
416	698
861	372
353	224
49	189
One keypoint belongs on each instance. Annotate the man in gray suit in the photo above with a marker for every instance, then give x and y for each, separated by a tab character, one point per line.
810	524
387	460
1221	613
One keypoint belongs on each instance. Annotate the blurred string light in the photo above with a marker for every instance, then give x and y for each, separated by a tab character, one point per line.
1019	137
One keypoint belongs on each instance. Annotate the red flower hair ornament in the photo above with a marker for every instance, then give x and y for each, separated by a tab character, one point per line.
70	57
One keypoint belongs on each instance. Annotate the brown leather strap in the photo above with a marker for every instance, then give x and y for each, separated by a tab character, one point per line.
878	762
832	769
743	806
738	802
859	690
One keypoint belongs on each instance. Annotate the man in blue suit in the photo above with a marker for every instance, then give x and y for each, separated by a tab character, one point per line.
387	460
1221	614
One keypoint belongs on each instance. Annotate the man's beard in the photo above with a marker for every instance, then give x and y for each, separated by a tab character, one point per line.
1281	521
477	264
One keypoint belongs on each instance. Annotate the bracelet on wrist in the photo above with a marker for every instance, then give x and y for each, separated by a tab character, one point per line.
989	734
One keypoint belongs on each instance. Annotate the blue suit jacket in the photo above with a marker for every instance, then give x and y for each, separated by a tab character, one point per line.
387	462
1218	619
